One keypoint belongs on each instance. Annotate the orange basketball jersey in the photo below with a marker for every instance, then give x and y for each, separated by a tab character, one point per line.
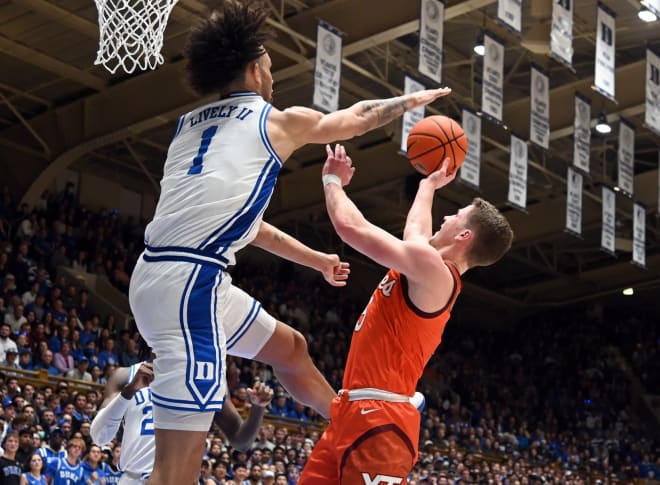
393	340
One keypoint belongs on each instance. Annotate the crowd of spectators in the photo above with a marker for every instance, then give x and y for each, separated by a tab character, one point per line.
544	401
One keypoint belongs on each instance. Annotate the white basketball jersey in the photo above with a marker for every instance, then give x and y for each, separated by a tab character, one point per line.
137	444
218	178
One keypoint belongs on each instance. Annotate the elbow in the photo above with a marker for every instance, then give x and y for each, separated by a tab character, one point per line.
240	445
96	434
361	127
347	230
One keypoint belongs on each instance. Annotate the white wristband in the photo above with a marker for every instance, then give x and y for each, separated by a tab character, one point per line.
331	178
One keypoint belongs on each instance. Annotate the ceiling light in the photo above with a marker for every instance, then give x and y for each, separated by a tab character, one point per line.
479	47
628	292
603	126
646	15
617	188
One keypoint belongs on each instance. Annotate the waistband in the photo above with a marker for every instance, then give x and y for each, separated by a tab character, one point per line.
371	393
137	476
189	255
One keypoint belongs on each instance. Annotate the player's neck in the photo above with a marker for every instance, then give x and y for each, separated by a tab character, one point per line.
451	256
238	87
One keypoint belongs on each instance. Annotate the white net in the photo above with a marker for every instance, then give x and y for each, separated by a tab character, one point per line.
131	33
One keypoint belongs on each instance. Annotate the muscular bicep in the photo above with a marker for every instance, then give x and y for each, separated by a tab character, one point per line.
300	126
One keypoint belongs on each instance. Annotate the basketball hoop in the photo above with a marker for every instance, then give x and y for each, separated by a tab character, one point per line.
131	33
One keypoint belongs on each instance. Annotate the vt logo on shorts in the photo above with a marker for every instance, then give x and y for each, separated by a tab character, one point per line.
380	479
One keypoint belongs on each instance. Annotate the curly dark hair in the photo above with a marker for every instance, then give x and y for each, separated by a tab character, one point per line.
220	47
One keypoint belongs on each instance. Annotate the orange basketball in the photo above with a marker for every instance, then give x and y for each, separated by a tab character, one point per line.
433	139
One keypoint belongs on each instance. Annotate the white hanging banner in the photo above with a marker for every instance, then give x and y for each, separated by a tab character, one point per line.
430	39
509	12
653	6
574	202
605	56
492	96
652	116
582	133
518	173
639	235
626	158
539	116
414	115
327	70
561	31
469	172
608	233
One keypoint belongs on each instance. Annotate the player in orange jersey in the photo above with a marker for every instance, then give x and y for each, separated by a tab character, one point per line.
373	432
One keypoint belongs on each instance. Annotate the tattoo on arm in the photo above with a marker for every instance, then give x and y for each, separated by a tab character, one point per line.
379	112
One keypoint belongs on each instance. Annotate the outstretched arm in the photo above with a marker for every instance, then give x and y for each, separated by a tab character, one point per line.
408	257
271	239
303	125
241	434
419	223
118	395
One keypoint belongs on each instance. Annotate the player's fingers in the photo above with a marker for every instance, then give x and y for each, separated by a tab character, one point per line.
349	161
445	165
329	152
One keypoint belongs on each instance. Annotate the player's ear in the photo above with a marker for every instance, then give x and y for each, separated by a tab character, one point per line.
464	236
255	71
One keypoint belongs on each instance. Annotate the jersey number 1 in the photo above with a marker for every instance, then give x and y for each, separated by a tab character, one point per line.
207	136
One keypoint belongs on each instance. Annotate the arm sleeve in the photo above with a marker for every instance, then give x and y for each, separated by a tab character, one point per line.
107	421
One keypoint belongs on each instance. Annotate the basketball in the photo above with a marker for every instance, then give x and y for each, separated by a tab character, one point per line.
433	139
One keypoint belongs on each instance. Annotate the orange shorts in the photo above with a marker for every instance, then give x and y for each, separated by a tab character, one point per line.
366	442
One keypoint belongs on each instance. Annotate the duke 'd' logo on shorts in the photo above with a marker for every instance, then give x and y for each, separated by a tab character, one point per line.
204	371
380	479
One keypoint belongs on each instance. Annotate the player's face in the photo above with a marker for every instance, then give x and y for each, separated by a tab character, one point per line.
451	226
266	87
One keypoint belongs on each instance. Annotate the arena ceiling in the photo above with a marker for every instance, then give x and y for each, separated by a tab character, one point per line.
58	110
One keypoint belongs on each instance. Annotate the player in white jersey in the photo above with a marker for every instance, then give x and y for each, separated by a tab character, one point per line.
128	399
220	172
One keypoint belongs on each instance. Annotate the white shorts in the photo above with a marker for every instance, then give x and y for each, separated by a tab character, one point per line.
191	316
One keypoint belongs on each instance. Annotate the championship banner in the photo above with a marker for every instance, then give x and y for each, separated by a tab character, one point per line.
574	202
469	172
626	158
518	173
539	116
414	115
652	117
327	71
653	6
608	233
639	235
509	12
582	133
430	39
561	32
605	57
492	96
